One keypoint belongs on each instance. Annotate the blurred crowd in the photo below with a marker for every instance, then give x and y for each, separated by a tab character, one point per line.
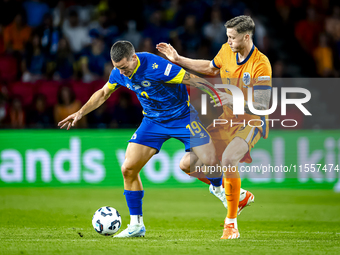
316	26
55	54
311	30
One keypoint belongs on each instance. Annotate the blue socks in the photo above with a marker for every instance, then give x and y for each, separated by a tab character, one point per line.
134	201
216	182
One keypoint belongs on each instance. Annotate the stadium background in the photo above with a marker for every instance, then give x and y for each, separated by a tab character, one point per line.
55	54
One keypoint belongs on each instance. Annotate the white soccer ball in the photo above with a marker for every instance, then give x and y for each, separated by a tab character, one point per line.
106	221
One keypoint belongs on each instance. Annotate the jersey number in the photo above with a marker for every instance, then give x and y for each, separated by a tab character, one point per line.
194	128
145	94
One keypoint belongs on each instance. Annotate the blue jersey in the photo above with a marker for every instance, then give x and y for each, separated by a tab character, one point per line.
157	84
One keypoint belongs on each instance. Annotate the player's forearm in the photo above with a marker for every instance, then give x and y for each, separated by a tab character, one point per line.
197	65
257	106
96	100
198	82
261	101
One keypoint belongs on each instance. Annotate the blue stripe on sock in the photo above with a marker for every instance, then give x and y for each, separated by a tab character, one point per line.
215	181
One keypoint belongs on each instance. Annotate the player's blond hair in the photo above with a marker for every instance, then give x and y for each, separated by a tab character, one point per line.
242	24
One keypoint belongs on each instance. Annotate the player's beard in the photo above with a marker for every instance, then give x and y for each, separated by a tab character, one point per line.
128	74
238	49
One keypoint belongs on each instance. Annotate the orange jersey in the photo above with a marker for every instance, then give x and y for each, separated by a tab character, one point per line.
254	71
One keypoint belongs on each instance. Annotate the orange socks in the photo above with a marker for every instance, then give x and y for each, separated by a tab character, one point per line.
232	188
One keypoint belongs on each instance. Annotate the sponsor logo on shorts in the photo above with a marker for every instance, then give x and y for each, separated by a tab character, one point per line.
134	136
202	135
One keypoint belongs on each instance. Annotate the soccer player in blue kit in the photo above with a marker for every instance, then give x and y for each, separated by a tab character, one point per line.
160	88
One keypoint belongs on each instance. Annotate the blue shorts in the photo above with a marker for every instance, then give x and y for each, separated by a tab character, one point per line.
189	131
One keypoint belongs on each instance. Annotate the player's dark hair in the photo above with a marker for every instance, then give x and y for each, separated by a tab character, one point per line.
122	49
242	24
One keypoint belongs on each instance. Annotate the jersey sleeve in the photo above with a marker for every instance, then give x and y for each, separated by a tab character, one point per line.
113	82
165	71
263	75
217	61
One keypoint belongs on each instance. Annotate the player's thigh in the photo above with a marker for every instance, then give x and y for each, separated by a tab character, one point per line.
235	151
242	140
220	137
232	155
136	156
188	161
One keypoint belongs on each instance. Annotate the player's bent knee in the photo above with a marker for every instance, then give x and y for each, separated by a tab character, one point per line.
187	162
129	172
184	166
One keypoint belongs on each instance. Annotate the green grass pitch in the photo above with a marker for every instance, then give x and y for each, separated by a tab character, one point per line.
178	221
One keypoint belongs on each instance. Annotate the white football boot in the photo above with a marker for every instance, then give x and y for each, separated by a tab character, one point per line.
137	230
220	195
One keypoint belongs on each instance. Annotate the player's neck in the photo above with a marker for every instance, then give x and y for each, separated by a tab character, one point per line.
135	64
245	52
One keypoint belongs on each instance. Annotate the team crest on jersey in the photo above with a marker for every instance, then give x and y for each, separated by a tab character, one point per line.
146	83
246	78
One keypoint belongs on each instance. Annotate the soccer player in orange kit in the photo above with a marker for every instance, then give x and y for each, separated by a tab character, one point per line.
240	64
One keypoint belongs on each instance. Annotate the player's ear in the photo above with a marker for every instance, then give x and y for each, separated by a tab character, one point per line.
247	37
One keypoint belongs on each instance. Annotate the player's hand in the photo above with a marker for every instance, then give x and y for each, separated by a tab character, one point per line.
168	51
226	99
70	121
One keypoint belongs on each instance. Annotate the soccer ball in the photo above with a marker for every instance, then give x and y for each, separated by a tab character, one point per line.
106	221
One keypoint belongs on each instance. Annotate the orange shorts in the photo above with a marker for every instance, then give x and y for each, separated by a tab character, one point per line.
222	135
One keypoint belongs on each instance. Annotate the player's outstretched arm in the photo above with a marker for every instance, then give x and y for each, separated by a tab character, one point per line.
200	83
96	100
197	65
261	100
